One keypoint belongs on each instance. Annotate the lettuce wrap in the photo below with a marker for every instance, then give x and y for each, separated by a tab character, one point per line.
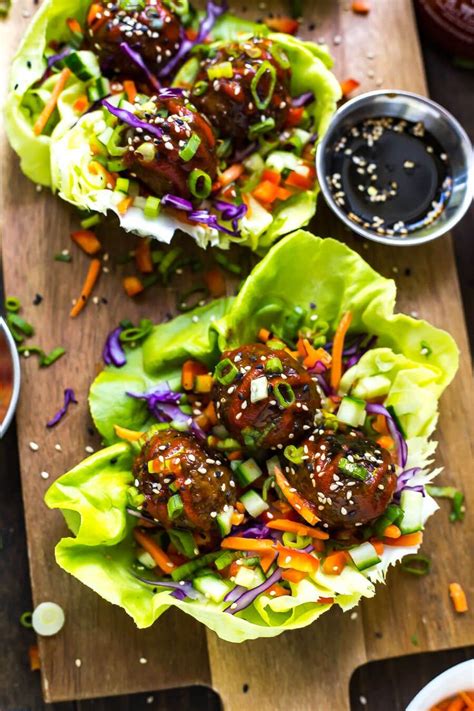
410	366
60	157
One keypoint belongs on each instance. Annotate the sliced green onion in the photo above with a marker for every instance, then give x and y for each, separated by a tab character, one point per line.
116	165
91	221
200	88
134	497
47	619
26	619
183	302
113	144
225	372
61	257
175	506
275	344
19	327
169	261
262	70
226	559
152	207
449	492
12	304
274	365
48	359
226	263
224	147
391	515
279	55
262	127
200	183
147	151
294	454
284	394
356	471
294	540
184	542
191	147
267	485
187	569
416	564
135	334
224	70
132	5
122	185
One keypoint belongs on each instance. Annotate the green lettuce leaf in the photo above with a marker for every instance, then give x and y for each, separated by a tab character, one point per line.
302	270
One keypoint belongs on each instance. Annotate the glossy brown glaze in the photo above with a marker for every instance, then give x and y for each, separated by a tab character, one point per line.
228	102
265	424
205	485
343	501
151	30
167	172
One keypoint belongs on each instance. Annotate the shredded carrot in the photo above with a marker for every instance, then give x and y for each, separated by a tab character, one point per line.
283	194
143	256
189	371
299	560
81	104
302	177
74	25
294	499
34	657
130	90
379	424
410	539
360	7
272	176
240	507
348	86
87	241
392	531
386	442
158	554
378	545
89	283
94	10
335	563
458	596
298	528
264	335
237	518
266	560
132	285
97	168
265	192
295	114
50	105
467	700
337	349
128	435
456	704
276	590
284	508
325	600
210	413
124	204
293	576
203	422
234	456
312	355
215	282
239	543
230	175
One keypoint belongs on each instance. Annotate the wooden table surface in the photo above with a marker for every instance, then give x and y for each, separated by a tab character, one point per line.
19	689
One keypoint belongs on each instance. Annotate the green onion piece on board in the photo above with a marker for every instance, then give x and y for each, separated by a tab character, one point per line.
200	183
191	147
26	619
226	263
225	372
456	496
90	221
416	564
12	304
135	334
184	303
62	257
265	67
48	359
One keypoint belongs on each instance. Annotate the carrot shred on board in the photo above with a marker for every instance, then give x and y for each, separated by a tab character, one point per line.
299	528
143	258
282	24
87	241
239	543
360	7
230	175
458	596
215	282
335	563
348	86
158	554
89	283
128	435
34	657
409	539
392	531
50	105
130	89
338	348
132	285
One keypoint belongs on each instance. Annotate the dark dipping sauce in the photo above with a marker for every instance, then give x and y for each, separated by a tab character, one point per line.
389	175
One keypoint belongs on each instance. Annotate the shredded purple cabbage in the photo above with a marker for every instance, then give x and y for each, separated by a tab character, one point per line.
137	59
235	593
323	384
51	61
162	403
177	202
113	353
171	92
402	449
303	99
198	432
214	11
207	218
249	596
69	397
185	589
405	477
243	153
130	119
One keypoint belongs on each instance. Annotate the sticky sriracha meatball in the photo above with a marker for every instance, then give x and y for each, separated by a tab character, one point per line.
147	27
349	480
186	487
176	153
244	89
264	397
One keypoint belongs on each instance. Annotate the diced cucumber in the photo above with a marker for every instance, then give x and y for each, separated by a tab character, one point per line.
184	542
352	411
124	104
226	559
364	556
146	560
249	577
254	503
235	464
82	64
224	521
411	504
99	89
187	569
212	587
247	472
104	137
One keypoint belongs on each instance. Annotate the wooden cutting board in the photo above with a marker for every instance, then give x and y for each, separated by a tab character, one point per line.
99	652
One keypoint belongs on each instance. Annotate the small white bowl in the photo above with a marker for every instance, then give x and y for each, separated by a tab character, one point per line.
449	683
7	343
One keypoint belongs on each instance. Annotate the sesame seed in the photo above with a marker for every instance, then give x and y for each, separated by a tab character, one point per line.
44	475
34	447
143	660
89	449
78	663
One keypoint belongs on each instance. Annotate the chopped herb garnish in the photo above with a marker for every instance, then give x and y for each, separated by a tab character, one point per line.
352	469
456	496
61	257
416	564
294	454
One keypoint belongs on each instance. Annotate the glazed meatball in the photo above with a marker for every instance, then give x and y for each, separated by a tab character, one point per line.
264	397
242	86
147	27
348	479
183	467
177	151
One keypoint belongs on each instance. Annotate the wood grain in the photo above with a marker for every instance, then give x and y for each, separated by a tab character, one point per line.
312	666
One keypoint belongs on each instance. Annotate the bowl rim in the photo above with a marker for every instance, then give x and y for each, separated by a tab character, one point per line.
15	359
451	681
467	149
